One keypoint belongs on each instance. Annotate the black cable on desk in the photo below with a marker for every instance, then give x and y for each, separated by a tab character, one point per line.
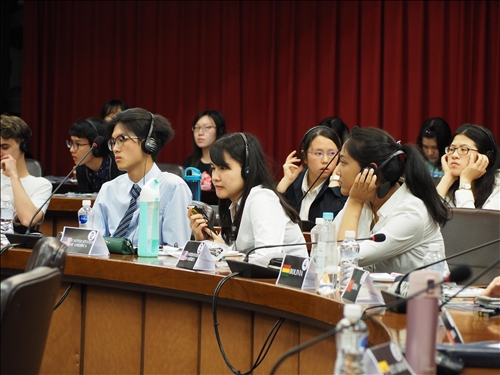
265	347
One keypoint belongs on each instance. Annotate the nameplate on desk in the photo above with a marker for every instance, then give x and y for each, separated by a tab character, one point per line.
297	272
386	359
84	241
359	279
451	328
196	256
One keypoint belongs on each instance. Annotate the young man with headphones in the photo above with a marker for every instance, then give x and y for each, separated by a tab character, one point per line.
136	138
27	193
99	166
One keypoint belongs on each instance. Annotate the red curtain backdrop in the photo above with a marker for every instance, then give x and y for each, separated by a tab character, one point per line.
273	68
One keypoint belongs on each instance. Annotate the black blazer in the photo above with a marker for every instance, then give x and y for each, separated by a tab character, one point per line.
84	183
329	199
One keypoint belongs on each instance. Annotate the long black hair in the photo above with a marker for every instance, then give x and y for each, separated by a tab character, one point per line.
373	145
438	129
220	124
486	144
258	174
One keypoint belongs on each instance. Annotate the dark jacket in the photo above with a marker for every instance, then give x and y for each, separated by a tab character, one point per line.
328	199
85	185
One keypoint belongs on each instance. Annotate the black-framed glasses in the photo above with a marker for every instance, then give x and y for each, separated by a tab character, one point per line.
462	150
119	141
75	145
205	128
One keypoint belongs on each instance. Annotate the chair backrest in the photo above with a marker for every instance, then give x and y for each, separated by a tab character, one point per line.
48	252
34	167
172	168
27	305
472	227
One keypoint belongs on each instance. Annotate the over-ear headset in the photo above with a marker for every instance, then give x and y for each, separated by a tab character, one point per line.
384	188
95	152
489	153
246	168
23	145
149	145
301	152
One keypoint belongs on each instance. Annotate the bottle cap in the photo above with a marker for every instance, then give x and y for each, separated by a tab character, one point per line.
350	234
86	202
319	221
433	246
353	311
328	215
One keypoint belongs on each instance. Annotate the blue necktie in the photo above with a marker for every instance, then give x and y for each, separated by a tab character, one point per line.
127	218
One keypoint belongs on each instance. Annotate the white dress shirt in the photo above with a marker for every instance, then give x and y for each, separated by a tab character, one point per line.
38	190
309	198
114	198
409	229
465	198
264	222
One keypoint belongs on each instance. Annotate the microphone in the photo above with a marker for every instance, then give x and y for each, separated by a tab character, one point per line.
377	237
27	237
316	180
455	274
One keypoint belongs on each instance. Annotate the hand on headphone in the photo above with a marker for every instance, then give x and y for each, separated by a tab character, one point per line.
290	171
364	186
476	167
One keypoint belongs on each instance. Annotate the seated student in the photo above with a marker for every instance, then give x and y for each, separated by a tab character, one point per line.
434	136
408	212
208	126
99	166
111	108
136	138
471	169
250	209
27	193
319	145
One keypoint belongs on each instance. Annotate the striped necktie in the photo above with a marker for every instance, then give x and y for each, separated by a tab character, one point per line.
127	218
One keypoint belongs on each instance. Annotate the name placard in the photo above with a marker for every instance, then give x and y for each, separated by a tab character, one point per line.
359	279
297	272
386	359
84	241
196	256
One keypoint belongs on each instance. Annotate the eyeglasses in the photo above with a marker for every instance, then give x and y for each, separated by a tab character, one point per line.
205	128
118	141
320	154
462	150
74	145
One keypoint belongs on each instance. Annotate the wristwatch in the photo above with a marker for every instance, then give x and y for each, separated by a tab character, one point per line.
464	186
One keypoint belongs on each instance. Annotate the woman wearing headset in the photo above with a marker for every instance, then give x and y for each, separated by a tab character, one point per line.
471	169
251	211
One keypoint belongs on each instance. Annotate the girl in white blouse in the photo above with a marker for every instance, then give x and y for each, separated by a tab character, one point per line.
252	213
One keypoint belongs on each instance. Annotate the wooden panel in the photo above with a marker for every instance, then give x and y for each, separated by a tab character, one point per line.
172	329
235	328
113	331
65	327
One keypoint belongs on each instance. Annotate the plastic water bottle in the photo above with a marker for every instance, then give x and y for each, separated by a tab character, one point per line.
192	176
351	342
315	236
149	218
327	258
7	218
86	215
349	255
434	255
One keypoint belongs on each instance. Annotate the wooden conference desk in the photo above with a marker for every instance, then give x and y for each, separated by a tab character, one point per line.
130	315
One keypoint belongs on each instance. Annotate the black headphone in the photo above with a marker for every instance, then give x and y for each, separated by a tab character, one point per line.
246	168
300	154
489	153
149	145
96	151
23	145
384	188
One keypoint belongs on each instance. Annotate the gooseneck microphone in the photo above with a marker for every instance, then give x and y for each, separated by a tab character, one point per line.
97	142
456	275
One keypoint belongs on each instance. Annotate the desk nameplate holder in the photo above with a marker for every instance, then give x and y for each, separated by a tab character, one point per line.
297	272
196	256
84	241
386	358
359	278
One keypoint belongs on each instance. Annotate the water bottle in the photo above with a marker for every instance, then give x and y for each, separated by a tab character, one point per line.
7	218
349	255
192	176
315	237
327	258
86	215
433	255
149	219
351	342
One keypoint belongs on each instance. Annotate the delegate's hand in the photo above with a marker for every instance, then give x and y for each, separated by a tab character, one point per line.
200	228
475	169
493	289
364	186
9	166
290	171
446	168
